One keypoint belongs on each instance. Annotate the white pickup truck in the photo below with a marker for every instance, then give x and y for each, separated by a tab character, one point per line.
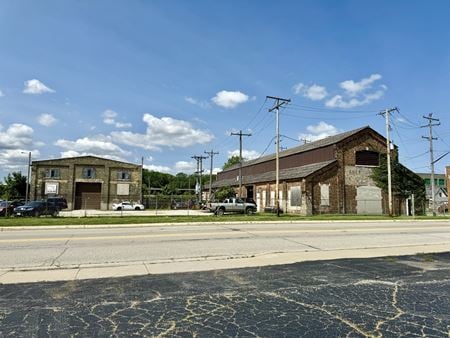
232	205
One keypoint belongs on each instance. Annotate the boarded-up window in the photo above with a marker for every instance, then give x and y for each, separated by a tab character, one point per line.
367	157
123	189
88	172
52	173
296	196
123	175
324	194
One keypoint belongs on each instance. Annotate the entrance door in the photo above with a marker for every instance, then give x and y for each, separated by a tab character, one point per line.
250	194
88	195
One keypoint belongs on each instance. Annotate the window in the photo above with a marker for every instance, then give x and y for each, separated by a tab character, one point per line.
441	182
123	175
367	157
296	196
88	172
427	181
52	173
123	189
324	194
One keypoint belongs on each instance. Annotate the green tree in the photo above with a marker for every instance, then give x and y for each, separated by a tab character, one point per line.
231	162
224	192
15	186
404	182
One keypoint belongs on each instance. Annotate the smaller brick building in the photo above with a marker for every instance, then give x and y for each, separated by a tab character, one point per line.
331	175
87	182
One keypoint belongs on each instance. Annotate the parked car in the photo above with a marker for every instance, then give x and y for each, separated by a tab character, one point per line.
127	206
7	207
60	202
232	205
37	208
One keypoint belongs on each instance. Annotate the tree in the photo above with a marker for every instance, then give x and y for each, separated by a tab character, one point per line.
15	186
224	192
404	182
231	162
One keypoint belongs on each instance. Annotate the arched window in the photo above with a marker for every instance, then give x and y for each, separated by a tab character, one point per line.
367	158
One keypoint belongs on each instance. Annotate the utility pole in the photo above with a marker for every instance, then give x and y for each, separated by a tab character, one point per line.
142	177
240	134
386	114
199	172
278	103
211	156
430	138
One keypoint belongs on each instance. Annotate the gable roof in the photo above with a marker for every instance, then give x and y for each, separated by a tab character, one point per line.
83	159
285	174
307	147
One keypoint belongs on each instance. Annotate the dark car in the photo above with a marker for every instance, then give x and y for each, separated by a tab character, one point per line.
37	208
7	207
60	202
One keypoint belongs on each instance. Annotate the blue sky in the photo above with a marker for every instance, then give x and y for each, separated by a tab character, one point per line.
170	79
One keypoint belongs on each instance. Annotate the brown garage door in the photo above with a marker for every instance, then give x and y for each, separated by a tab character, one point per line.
88	195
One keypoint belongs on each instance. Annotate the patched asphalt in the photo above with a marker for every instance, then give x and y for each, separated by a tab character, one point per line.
389	297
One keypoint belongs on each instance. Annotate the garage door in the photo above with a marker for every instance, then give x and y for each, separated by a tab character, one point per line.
368	200
88	195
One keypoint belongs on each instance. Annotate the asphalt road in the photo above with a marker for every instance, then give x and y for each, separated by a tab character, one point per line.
380	297
266	244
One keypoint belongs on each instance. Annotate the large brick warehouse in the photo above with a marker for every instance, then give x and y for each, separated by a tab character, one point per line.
331	175
87	182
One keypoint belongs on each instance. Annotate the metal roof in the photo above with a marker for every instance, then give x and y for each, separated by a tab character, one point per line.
285	174
303	148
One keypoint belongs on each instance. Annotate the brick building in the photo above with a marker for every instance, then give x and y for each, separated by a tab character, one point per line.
87	182
332	175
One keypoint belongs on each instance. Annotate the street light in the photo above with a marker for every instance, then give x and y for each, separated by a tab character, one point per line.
28	175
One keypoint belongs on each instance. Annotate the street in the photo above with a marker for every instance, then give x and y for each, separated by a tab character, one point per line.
51	254
389	297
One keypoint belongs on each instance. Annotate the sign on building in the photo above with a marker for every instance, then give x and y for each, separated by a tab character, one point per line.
51	188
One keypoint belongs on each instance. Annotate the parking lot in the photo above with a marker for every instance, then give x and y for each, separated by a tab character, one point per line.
389	297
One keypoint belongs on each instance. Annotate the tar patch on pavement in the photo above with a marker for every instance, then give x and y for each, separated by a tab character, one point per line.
387	297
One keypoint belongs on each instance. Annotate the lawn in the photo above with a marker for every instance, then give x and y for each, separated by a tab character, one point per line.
34	221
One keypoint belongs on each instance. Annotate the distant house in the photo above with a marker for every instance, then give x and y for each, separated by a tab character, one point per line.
331	175
87	182
440	189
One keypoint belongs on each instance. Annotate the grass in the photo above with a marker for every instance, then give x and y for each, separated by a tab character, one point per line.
32	221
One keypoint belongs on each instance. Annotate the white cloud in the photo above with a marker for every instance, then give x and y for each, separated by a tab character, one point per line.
36	87
246	154
109	117
184	166
314	92
319	131
97	146
159	168
46	120
163	132
1	94
353	88
16	159
356	93
16	136
200	103
338	101
229	99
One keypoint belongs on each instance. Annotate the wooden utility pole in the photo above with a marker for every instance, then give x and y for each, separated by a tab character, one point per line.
430	138
278	103
211	154
199	172
386	114
240	134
